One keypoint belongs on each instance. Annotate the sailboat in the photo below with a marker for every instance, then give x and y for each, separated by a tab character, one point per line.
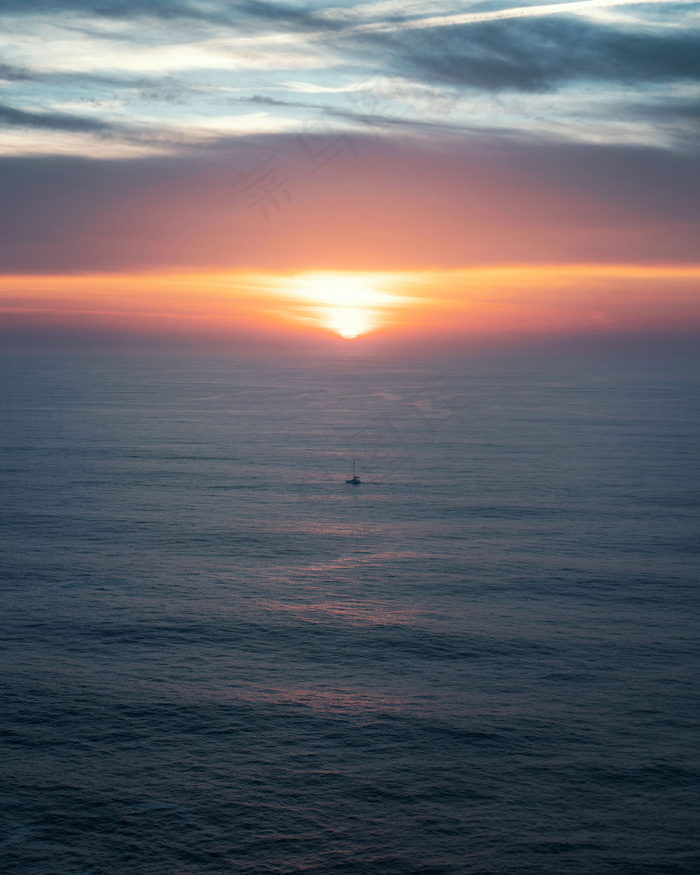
354	479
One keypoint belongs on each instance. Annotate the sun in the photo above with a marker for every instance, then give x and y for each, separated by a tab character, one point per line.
347	304
349	322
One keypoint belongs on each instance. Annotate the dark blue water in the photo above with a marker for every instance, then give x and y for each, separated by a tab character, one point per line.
219	658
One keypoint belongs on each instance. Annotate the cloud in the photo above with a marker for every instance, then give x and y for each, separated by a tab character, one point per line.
531	11
11	73
679	109
677	119
10	116
261	100
36	133
542	54
520	69
283	13
222	13
108	8
57	47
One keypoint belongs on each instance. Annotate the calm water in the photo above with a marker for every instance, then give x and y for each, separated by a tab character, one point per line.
219	658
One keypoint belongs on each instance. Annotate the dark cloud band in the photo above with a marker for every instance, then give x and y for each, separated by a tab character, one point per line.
541	54
57	121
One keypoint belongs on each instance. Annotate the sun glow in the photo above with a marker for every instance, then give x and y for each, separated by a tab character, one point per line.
514	300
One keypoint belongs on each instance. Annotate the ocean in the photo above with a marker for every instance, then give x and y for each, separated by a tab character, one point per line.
218	657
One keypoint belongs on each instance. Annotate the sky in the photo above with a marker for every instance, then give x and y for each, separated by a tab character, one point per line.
260	173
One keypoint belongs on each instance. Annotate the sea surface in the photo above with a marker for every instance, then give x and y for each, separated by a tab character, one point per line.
218	657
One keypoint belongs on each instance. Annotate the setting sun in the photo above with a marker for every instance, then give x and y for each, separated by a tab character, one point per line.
347	304
349	322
